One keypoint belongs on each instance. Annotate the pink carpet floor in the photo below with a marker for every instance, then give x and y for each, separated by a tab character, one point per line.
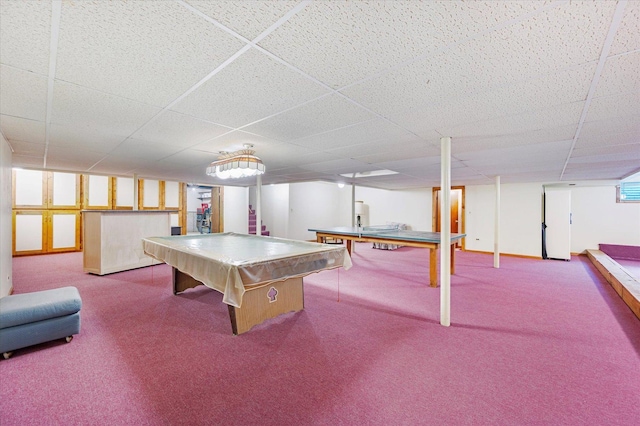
532	343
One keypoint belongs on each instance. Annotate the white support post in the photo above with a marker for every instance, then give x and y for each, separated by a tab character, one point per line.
353	205
136	196
445	231
496	239
259	205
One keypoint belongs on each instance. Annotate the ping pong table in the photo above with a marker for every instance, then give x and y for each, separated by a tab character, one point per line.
260	277
393	235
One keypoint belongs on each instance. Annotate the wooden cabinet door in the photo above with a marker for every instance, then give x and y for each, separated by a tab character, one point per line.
29	189
97	192
63	231
29	235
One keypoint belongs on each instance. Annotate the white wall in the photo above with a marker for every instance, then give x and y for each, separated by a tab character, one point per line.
313	205
597	218
236	209
480	217
6	227
411	207
520	218
275	209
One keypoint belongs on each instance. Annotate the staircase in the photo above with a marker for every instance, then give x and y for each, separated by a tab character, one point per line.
253	225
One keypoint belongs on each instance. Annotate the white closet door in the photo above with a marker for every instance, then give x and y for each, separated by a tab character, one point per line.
172	195
151	196
124	192
557	215
29	188
98	192
64	188
64	231
29	232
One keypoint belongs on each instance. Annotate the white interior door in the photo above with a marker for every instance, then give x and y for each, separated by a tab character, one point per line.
557	214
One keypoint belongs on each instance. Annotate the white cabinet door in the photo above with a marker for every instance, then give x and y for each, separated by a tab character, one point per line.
557	214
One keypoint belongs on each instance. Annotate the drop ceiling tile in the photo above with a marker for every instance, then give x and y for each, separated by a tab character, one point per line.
550	41
529	177
27	161
406	147
179	130
418	92
136	148
21	129
148	51
368	132
555	88
426	96
606	153
78	106
25	32
611	107
620	124
616	169
384	154
607	141
553	166
430	172
120	166
22	94
628	36
239	95
520	160
402	166
285	155
621	74
195	158
247	18
83	137
343	42
28	149
73	159
460	145
236	140
322	115
343	165
521	154
589	173
555	117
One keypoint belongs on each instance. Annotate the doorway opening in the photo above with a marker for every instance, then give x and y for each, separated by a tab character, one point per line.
204	209
457	212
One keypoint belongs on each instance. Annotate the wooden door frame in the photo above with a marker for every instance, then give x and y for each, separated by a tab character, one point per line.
462	208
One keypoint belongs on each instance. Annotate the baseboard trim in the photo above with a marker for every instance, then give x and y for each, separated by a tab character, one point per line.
524	256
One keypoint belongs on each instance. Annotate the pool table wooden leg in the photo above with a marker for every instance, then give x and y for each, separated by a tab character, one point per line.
263	303
453	258
433	270
182	281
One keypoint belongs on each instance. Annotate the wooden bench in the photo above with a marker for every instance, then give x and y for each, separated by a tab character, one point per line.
626	285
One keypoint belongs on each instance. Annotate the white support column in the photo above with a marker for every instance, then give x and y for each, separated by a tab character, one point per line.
353	204
496	238
259	205
445	231
136	196
353	212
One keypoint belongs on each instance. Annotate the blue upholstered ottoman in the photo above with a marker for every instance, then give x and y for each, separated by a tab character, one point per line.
38	317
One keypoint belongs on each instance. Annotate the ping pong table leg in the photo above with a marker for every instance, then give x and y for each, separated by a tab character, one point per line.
349	246
433	273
